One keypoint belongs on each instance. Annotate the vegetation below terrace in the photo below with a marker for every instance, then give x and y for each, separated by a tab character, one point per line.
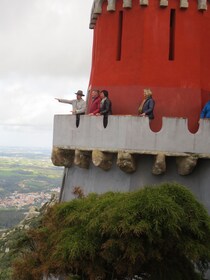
156	233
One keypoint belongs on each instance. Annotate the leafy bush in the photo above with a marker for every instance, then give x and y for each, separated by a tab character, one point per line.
157	233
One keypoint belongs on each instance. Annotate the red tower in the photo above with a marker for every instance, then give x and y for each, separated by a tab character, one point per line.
160	44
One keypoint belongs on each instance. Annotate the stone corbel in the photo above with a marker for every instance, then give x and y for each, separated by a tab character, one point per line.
144	2
62	157
127	3
102	159
111	5
184	4
202	5
163	3
82	159
126	162
186	165
159	166
98	6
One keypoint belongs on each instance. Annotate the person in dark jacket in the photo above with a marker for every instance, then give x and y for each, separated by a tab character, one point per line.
147	106
105	106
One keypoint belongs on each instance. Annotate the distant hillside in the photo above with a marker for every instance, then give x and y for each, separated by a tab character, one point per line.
27	178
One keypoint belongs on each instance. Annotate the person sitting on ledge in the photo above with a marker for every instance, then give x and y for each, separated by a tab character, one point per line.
78	105
147	105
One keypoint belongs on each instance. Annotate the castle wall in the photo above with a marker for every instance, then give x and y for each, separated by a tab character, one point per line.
127	155
97	180
180	84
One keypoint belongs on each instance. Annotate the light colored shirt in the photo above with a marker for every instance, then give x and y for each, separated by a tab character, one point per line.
78	105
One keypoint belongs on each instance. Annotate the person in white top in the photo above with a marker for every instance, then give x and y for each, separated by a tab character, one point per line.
78	105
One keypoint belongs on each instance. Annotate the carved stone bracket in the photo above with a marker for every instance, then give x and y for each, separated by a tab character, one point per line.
126	162
202	4
111	5
184	4
186	165
102	159
82	158
163	3
159	166
62	157
98	6
144	2
127	3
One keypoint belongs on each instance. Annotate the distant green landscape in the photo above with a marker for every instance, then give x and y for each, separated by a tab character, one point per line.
25	172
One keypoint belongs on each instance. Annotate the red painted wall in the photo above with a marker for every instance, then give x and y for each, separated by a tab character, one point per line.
180	86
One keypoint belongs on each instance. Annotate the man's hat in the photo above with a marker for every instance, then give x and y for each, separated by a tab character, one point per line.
79	92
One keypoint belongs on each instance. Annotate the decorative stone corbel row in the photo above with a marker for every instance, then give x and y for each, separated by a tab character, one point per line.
125	161
127	4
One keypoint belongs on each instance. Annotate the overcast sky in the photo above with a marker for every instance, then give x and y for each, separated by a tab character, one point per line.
45	52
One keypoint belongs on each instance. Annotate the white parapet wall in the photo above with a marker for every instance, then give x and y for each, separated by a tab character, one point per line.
131	134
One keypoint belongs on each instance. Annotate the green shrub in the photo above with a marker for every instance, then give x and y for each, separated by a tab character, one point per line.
157	233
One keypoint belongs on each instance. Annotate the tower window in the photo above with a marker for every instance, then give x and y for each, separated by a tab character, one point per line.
172	34
119	37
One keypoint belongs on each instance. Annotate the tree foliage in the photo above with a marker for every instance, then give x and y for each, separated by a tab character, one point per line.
157	233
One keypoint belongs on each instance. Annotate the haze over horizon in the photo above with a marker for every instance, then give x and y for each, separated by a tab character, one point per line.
45	53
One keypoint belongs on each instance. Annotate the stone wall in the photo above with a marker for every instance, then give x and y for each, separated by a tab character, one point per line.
127	155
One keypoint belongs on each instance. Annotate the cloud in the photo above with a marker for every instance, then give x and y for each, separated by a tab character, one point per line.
45	52
45	37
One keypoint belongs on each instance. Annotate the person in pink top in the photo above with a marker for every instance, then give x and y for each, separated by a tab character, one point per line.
95	103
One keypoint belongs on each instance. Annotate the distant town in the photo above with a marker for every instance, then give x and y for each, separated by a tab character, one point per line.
20	200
